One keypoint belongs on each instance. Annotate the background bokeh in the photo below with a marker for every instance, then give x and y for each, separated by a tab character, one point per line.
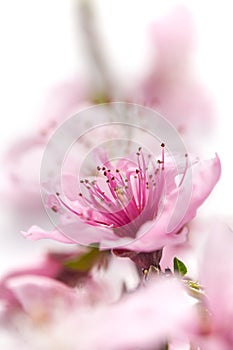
42	45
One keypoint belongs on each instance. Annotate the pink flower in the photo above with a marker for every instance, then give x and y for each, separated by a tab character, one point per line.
131	205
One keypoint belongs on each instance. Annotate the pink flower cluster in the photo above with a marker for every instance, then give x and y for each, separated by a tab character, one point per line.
113	288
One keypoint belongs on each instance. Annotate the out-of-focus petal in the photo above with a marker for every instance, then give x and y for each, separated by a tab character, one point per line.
39	296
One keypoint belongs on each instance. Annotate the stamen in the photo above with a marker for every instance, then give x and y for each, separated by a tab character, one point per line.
162	145
133	197
185	170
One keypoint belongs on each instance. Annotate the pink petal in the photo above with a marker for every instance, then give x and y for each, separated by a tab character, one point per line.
74	233
35	233
147	317
216	274
155	235
38	294
70	186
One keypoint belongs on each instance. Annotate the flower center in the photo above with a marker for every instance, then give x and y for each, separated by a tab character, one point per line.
123	198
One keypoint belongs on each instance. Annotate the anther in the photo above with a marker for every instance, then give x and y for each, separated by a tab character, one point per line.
145	272
54	208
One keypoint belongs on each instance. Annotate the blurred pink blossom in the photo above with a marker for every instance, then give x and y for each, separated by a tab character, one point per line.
52	313
216	276
172	86
52	265
23	160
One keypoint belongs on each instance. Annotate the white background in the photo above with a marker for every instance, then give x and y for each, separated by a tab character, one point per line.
39	48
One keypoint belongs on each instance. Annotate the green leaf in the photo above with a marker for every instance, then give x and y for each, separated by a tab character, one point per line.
84	262
179	267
